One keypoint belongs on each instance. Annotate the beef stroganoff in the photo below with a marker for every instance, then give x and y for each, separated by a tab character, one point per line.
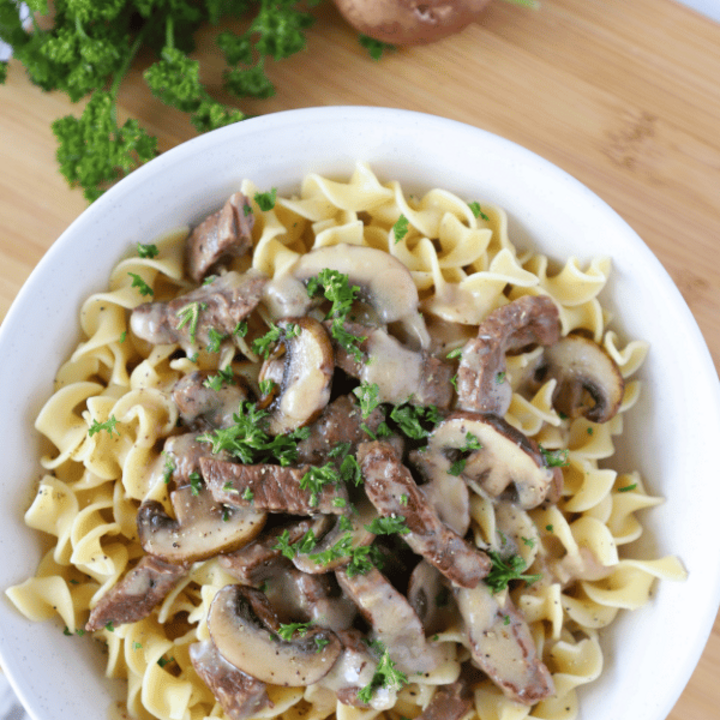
346	454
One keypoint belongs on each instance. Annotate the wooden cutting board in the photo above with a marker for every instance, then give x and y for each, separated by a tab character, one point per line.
622	94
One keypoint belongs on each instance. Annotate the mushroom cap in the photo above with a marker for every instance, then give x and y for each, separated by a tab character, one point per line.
410	22
201	527
308	364
244	628
506	457
589	382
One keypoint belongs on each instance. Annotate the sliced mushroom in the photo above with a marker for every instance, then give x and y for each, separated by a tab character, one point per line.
201	527
244	628
307	369
139	591
383	281
501	645
450	702
240	695
589	382
223	235
481	384
391	488
275	488
506	457
410	22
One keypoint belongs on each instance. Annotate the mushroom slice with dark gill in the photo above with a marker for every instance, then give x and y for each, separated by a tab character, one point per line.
529	320
431	598
134	597
589	382
392	489
275	488
222	235
393	620
188	319
201	527
451	702
492	456
501	645
400	373
202	406
245	628
302	366
240	695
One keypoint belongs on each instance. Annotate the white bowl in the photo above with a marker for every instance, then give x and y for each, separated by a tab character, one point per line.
671	435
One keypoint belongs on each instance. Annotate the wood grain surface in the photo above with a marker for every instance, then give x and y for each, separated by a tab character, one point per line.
622	94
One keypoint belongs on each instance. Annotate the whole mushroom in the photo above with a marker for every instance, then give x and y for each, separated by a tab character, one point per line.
410	22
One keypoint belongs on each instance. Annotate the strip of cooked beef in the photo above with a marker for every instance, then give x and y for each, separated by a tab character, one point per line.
529	320
182	455
274	488
450	702
202	406
392	489
241	696
188	319
263	557
134	597
401	374
393	620
340	422
502	646
224	234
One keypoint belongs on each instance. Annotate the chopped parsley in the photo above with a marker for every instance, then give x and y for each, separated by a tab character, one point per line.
628	488
241	329
147	251
555	458
386	675
195	483
215	340
456	353
415	421
143	288
267	386
108	425
190	315
266	200
224	376
503	571
388	525
168	470
262	345
315	479
367	394
400	228
477	210
287	630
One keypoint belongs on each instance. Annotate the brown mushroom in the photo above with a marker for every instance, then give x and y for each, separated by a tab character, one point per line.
201	527
302	365
244	628
491	456
410	22
589	382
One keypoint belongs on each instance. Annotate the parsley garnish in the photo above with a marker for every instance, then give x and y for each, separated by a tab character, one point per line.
503	571
190	313
224	377
195	483
628	488
241	329
266	200
367	394
555	458
267	386
411	419
388	525
147	251
316	478
456	353
477	210
168	470
108	425
143	288
385	675
261	346
287	630
400	228
215	339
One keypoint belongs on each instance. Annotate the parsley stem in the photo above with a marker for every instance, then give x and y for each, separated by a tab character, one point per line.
127	61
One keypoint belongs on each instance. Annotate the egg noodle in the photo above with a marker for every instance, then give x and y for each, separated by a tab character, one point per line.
464	266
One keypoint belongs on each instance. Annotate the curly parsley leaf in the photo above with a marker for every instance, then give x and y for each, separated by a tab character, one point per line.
503	571
386	675
108	425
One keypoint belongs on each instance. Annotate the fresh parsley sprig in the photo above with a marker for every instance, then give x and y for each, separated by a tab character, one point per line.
505	570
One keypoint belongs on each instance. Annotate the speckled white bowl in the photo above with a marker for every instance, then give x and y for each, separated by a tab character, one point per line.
671	435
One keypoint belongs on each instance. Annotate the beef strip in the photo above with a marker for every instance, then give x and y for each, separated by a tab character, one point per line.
220	305
450	702
392	489
393	620
340	422
402	374
224	234
182	454
270	487
241	696
204	407
502	646
135	596
529	320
